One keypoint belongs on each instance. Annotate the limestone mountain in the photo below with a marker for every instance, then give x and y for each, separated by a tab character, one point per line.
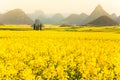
16	16
98	12
114	16
55	19
103	21
118	20
1	18
74	19
37	15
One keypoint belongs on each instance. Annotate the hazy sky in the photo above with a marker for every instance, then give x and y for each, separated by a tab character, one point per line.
60	6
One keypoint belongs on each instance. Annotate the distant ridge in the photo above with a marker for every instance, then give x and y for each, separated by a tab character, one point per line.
103	21
55	19
74	19
16	16
99	17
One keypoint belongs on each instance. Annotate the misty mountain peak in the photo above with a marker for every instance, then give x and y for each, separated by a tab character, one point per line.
114	16
58	15
99	11
83	14
39	12
16	11
99	7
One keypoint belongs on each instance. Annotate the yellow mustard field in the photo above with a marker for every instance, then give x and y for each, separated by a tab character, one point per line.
59	55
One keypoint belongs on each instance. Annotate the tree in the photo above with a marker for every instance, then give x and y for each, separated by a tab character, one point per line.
37	25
